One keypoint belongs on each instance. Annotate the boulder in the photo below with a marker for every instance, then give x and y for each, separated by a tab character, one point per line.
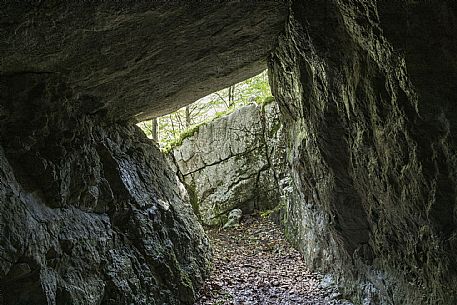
234	218
235	161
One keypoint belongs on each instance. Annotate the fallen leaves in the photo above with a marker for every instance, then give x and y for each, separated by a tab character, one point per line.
253	264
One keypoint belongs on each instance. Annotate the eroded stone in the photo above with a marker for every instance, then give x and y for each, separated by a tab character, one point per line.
370	120
90	214
235	161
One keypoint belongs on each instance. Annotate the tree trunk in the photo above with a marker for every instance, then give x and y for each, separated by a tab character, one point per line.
231	94
155	129
188	119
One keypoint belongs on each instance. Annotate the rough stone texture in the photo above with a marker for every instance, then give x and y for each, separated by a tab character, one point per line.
231	163
368	92
89	213
140	57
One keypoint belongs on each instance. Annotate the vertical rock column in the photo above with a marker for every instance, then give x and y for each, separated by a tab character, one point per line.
368	96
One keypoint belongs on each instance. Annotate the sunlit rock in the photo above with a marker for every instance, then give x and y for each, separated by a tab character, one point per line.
235	161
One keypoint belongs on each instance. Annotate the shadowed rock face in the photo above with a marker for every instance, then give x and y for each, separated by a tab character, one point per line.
90	212
140	58
368	94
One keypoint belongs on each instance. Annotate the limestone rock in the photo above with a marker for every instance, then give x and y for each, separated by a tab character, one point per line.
233	162
234	218
90	214
139	58
368	92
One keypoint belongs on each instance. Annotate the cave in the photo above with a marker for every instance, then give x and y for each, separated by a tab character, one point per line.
92	213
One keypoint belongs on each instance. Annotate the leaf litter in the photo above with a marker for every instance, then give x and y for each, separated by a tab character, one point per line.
254	265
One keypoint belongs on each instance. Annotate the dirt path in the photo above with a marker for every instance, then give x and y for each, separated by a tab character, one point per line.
253	264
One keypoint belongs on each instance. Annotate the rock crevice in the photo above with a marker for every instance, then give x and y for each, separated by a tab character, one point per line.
233	162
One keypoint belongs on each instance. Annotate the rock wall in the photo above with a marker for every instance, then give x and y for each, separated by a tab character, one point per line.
89	213
233	162
368	94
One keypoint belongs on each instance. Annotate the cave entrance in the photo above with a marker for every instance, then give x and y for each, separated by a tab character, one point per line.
223	147
228	150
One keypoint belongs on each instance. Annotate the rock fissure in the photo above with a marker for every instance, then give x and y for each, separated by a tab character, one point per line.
269	149
232	155
241	173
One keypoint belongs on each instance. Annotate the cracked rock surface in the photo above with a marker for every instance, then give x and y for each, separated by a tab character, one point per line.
368	93
233	162
89	213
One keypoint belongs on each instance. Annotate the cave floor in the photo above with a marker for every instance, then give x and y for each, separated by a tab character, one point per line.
253	264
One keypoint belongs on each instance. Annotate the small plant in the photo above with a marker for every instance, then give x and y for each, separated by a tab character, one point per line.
268	100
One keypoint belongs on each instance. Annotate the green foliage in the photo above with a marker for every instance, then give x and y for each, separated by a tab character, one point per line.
177	141
267	100
173	128
146	127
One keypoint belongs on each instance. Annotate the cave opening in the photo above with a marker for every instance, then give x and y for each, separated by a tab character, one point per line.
228	150
91	212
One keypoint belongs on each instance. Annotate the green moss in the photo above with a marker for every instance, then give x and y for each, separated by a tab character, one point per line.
193	198
226	112
275	210
274	129
185	286
267	100
181	137
192	130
